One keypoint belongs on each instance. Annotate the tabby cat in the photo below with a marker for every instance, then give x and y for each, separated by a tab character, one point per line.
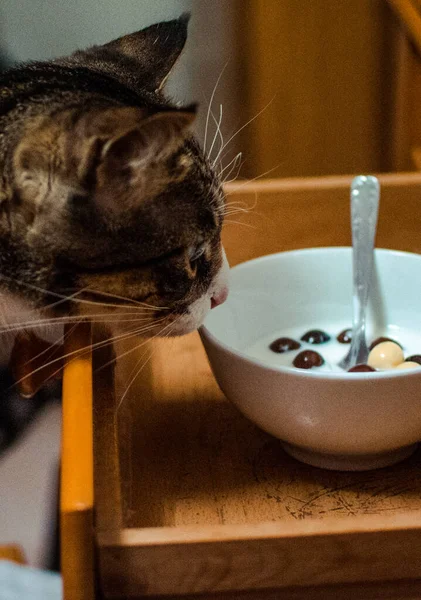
107	203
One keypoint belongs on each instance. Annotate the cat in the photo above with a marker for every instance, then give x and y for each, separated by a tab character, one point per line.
109	208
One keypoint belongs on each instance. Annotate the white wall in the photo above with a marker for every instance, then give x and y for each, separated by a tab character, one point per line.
41	29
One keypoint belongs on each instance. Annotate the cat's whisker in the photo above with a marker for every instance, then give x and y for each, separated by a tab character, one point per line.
231	222
231	213
63	300
169	327
237	203
222	157
247	181
253	206
133	349
68	318
132	333
130	301
234	135
106	342
218	131
134	377
237	166
236	157
234	178
111	305
90	347
125	299
64	297
52	348
236	163
118	320
210	104
60	359
19	326
234	166
99	318
103	343
237	206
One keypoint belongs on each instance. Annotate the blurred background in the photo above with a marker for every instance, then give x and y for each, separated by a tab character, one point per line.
300	88
329	84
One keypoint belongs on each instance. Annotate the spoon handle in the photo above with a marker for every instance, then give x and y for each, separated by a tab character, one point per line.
365	191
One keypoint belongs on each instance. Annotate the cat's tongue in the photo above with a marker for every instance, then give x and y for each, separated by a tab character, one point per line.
34	362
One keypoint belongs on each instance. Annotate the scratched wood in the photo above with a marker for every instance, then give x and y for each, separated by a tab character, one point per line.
194	459
194	472
208	464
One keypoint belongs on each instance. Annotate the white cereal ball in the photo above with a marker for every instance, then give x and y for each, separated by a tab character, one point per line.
385	355
408	364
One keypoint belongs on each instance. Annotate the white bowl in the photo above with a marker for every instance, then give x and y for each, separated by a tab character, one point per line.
333	420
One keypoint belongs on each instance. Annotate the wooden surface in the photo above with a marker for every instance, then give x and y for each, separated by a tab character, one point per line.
406	115
325	71
106	453
409	13
194	470
210	503
301	213
287	560
13	553
195	460
391	590
76	478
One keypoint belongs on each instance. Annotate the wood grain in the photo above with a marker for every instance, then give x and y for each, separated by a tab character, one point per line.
390	590
210	502
206	464
401	129
278	562
303	213
107	491
324	70
76	478
406	114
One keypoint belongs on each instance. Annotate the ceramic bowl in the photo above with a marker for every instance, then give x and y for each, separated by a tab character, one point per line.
328	419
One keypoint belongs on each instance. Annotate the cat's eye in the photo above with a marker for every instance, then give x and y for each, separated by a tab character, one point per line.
195	252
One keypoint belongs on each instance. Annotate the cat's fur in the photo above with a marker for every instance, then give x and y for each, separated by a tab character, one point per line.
104	193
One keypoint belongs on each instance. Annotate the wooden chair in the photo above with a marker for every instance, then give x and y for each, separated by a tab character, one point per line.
76	479
76	494
13	553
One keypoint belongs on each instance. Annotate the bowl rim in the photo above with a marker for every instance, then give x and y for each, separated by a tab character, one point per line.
345	376
317	249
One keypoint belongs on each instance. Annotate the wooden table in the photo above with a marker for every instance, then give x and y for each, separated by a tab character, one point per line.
191	498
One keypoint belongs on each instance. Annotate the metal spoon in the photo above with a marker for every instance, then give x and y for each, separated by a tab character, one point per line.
365	192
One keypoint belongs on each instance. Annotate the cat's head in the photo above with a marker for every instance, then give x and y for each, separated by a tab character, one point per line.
115	205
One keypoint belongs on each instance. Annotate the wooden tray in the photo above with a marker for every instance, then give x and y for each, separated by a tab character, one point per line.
191	498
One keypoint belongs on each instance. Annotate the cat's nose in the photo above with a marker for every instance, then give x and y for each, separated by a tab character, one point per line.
219	297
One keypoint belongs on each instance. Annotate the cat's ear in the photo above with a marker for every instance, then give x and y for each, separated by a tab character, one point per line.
156	138
123	157
155	49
